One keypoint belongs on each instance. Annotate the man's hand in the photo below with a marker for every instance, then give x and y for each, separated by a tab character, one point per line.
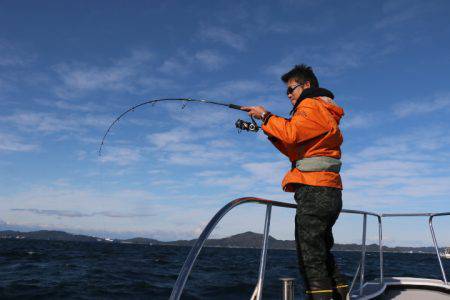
255	111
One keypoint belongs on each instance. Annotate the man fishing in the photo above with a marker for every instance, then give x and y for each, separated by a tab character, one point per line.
311	139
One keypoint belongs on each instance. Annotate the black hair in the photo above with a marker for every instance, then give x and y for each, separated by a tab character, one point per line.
301	73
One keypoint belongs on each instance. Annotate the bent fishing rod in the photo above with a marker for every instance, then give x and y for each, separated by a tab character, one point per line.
240	124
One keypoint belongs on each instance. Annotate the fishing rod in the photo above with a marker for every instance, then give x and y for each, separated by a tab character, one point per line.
240	124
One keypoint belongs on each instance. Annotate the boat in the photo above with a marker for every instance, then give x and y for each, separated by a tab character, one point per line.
382	288
446	253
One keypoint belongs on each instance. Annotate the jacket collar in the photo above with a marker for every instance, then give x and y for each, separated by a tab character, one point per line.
311	93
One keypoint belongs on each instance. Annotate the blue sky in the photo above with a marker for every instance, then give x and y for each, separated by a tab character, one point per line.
67	69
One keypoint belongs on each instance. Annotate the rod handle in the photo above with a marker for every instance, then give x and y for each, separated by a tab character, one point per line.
234	106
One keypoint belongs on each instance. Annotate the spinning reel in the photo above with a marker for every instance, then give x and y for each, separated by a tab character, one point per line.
247	126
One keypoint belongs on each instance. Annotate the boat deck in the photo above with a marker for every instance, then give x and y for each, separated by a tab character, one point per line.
404	288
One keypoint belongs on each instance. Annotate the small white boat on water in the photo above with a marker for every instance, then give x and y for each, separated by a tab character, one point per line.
381	288
446	253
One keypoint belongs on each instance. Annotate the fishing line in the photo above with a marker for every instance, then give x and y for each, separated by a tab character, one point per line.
240	124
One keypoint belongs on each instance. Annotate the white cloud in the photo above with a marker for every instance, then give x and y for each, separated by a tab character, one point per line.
70	105
122	75
255	178
359	120
237	182
51	122
69	198
13	56
185	62
392	172
385	168
34	121
408	108
119	211
398	12
200	116
224	36
77	214
345	55
12	143
174	65
419	143
172	137
193	147
268	172
211	173
235	89
197	155
89	78
223	143
121	156
210	59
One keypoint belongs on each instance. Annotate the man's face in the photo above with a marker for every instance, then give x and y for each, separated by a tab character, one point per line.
297	89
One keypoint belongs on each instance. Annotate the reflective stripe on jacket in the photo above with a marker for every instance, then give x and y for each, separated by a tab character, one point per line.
312	131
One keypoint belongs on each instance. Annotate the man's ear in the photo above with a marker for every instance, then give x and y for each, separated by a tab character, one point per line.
307	85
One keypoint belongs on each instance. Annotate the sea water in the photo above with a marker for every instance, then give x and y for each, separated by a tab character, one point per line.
80	270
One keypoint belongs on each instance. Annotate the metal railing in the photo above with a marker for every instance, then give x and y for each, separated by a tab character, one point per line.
433	235
257	294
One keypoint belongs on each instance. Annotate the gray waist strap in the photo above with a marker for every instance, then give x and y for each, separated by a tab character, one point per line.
319	163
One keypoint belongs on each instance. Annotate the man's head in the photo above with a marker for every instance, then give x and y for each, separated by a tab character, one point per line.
301	77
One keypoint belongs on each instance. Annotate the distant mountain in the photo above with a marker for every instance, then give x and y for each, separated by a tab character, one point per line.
48	235
243	240
140	240
254	240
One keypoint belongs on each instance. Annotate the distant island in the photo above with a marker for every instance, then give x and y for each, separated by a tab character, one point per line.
243	240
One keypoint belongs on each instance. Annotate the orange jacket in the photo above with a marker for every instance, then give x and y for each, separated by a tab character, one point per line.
313	130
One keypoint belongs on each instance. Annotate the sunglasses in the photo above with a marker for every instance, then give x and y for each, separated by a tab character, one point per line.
290	89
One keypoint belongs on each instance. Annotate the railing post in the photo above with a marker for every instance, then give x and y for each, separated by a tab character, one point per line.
262	264
436	247
380	243
354	279
288	289
197	247
363	255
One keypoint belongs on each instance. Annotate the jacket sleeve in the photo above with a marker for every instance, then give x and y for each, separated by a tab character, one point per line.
305	124
279	145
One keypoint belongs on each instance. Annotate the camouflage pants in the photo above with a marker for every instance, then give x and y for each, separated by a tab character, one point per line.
317	210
